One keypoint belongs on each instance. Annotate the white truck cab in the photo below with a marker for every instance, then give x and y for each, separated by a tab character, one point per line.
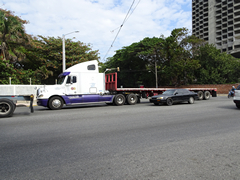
81	83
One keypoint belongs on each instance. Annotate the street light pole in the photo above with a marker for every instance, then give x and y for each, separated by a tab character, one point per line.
156	76
63	50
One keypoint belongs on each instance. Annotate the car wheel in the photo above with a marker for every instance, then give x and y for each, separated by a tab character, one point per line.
238	106
7	108
191	100
55	103
119	100
200	95
169	101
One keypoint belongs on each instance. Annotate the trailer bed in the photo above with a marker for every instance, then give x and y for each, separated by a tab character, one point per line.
111	86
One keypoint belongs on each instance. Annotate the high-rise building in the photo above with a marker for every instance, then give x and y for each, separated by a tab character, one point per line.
218	23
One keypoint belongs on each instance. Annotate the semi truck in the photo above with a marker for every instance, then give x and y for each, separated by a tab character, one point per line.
84	84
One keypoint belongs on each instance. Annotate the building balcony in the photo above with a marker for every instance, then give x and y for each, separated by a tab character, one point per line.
236	2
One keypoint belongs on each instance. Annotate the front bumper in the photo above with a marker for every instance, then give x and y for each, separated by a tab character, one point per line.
42	102
157	100
236	101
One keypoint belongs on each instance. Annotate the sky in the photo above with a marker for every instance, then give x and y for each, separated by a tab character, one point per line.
99	21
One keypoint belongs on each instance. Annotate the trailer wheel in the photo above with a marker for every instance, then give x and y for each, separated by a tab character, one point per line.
119	100
200	95
169	101
132	99
55	103
7	108
207	95
191	100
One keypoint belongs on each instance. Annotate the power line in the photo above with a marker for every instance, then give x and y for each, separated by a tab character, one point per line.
125	19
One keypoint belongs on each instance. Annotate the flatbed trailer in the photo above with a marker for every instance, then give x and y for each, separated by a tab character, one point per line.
8	103
111	86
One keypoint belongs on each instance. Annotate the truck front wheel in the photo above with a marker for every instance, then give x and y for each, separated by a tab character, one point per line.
55	103
119	100
7	108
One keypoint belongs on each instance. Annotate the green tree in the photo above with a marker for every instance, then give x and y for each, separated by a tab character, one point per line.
13	44
133	71
7	71
45	56
12	36
216	67
178	63
171	58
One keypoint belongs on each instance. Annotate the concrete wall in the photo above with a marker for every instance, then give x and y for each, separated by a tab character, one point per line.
19	89
221	88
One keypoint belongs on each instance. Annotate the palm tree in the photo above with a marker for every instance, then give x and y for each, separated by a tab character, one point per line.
13	37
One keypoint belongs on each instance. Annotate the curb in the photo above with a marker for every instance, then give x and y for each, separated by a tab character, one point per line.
25	103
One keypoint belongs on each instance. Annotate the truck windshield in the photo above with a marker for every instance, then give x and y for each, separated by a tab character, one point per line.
60	79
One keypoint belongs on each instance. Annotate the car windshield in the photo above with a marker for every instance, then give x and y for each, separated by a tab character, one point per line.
60	79
169	92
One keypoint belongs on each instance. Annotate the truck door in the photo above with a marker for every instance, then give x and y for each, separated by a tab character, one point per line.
71	85
72	89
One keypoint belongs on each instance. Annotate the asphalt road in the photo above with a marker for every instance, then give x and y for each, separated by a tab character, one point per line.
183	141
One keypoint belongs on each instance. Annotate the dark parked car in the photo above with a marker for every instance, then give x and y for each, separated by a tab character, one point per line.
174	96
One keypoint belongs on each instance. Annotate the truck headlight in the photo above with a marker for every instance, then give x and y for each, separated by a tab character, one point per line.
40	96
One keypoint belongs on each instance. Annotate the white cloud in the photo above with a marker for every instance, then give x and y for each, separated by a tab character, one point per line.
95	19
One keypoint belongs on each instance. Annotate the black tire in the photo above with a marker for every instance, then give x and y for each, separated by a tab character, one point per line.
156	104
238	106
191	100
119	100
207	95
169	101
55	103
200	95
7	108
132	99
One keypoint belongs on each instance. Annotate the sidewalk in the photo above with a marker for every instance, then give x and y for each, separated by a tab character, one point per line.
25	103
